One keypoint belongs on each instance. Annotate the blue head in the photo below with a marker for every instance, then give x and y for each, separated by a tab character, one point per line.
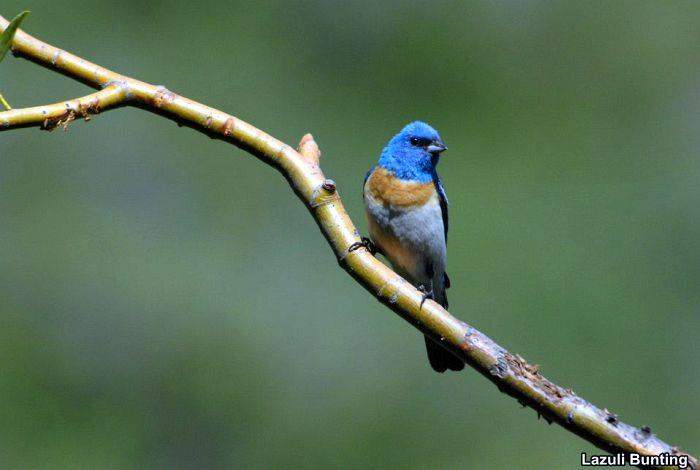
413	153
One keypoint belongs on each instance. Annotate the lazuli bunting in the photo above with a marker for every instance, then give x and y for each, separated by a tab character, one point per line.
406	210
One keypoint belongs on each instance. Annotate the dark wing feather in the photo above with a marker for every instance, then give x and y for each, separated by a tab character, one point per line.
445	219
366	178
443	203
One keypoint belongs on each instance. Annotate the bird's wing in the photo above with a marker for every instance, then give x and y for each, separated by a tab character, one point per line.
366	178
443	204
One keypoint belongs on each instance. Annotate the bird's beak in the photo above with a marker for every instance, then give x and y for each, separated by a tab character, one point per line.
436	147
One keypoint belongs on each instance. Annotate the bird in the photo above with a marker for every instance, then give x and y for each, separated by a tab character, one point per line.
407	215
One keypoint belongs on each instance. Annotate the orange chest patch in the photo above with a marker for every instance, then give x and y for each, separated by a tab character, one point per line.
386	189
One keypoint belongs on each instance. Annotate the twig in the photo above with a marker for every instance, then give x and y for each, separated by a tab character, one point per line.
511	373
4	102
51	116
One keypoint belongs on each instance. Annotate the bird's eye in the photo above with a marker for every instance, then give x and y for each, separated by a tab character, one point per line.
418	142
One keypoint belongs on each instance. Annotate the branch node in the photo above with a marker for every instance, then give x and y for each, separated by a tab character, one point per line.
56	55
611	417
500	368
162	96
123	84
228	127
389	290
322	195
329	185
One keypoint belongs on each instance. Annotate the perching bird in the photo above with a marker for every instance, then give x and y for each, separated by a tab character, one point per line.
406	209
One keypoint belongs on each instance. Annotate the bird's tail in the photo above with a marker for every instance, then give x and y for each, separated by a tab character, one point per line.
440	358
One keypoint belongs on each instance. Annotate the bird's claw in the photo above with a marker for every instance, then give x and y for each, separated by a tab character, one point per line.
365	243
427	294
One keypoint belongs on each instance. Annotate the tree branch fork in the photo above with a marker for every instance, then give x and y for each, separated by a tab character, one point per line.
509	372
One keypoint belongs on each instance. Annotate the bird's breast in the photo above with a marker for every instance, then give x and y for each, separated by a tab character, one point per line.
388	190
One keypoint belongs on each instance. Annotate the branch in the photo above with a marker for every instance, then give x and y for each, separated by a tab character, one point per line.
510	372
51	116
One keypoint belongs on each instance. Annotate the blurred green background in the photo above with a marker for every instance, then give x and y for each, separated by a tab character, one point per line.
166	302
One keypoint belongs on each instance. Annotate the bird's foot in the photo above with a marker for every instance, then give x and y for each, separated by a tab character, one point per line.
427	294
365	243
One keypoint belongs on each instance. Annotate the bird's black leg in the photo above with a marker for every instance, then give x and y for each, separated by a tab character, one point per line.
365	243
427	294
